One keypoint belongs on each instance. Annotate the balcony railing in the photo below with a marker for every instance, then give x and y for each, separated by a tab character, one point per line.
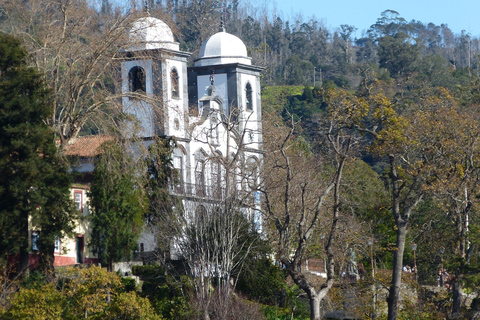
190	189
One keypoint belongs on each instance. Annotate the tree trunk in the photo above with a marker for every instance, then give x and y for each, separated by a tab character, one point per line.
462	228
314	297
315	307
47	257
457	298
23	262
394	295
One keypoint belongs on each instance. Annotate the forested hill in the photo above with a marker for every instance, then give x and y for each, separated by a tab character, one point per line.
77	42
305	51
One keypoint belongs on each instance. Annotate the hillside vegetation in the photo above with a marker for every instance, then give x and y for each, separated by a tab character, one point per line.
371	163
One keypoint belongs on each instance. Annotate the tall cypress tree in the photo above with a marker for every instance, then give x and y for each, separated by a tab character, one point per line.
118	205
34	182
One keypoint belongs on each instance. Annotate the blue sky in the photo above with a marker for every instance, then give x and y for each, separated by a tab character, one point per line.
458	15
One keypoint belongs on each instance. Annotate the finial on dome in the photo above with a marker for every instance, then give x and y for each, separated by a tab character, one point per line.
222	25
147	7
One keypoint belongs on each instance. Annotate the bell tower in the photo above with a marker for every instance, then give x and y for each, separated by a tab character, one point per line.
237	83
154	85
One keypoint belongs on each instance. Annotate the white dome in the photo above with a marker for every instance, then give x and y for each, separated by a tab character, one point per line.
222	48
152	33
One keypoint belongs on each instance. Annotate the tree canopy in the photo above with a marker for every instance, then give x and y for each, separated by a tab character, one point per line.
118	204
34	183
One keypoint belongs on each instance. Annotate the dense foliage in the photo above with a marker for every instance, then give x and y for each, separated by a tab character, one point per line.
393	112
118	205
34	183
91	293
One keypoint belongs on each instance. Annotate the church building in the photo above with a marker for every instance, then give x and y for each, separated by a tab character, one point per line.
212	109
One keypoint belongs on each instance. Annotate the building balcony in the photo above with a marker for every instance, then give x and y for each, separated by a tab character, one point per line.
201	191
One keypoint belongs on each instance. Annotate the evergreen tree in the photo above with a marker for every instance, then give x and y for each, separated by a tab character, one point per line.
397	54
34	183
117	203
162	176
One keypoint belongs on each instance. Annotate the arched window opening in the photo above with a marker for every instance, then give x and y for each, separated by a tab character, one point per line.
178	165
200	177
252	172
216	182
249	98
175	83
137	80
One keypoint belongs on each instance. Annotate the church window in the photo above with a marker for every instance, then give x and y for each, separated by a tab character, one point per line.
216	183
200	178
175	83
249	96
178	165
137	79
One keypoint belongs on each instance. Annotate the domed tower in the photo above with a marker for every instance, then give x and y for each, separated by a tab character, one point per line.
223	65
154	82
237	81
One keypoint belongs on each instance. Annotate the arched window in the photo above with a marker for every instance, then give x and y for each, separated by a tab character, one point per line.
200	177
216	181
137	79
249	98
252	172
178	165
175	83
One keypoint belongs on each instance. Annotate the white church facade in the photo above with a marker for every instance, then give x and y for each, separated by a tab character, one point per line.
212	109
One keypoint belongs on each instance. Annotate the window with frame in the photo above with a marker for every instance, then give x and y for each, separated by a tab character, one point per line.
78	199
178	165
249	96
57	245
200	177
35	241
137	80
216	184
175	83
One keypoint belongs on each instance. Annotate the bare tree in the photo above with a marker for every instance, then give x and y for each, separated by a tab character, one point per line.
216	239
78	50
211	229
300	189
